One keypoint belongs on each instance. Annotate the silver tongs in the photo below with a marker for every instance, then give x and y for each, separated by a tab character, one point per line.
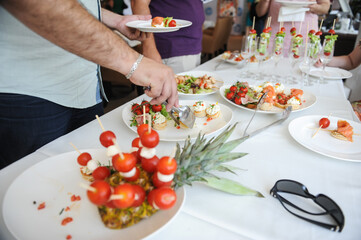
185	116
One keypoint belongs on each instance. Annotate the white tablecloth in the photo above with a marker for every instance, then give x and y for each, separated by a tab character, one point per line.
273	155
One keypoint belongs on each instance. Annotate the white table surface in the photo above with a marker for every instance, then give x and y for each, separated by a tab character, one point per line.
273	155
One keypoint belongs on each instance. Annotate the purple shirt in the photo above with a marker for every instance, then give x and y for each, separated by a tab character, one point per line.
186	41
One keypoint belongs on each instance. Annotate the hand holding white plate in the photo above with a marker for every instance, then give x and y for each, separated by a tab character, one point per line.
146	26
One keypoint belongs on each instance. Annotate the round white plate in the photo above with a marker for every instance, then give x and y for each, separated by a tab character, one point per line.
235	62
308	99
54	181
218	84
303	128
330	73
295	4
171	133
145	26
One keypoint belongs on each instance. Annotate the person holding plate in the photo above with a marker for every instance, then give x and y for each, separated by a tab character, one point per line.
50	83
181	50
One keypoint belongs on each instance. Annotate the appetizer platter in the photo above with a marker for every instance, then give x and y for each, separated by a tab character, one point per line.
198	83
233	57
330	73
56	189
337	138
171	132
159	25
246	96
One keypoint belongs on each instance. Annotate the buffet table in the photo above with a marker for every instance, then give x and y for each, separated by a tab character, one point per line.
273	155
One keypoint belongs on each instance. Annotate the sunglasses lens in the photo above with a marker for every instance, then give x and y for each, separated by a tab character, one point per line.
292	187
332	208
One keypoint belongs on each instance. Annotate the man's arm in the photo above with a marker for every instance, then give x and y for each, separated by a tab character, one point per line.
67	24
149	47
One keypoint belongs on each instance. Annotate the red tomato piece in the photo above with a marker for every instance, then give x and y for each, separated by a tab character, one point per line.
101	194
158	183
230	95
106	138
283	29
233	89
66	221
84	158
124	164
68	237
331	31
252	31
319	33
172	23
142	129
157	108
125	193
101	173
135	142
312	31
165	198
139	195
150	164
150	139
237	100
324	122
134	177
150	197
135	106
41	206
167	165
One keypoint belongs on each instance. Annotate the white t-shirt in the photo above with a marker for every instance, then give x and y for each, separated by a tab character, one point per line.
31	65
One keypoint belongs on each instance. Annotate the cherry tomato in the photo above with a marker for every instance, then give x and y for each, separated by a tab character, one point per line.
142	129
158	183
269	29
319	33
293	30
106	138
145	103
327	53
150	164
138	111
230	95
283	29
331	31
243	89
324	122
150	197
172	23
139	195
150	139
135	106
134	177
299	35
125	193
252	31
233	89
238	100
167	165
157	108
84	158
135	142
101	173
241	94
101	194
146	108
165	198
312	31
124	164
266	30
110	204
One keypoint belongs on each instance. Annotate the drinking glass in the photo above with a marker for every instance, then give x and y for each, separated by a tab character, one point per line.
248	50
326	55
277	54
312	54
261	53
295	56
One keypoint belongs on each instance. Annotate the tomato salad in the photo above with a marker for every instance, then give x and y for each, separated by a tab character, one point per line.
156	112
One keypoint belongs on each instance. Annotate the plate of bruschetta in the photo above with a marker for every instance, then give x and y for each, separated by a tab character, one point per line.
211	117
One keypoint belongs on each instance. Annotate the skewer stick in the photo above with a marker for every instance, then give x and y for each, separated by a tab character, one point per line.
330	130
87	187
144	114
333	26
76	149
299	30
306	41
149	124
293	24
320	127
270	19
254	20
117	146
116	197
320	25
100	123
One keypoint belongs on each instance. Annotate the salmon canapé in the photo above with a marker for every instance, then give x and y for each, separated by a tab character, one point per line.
344	128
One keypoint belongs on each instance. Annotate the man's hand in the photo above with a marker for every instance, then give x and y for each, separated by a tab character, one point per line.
160	79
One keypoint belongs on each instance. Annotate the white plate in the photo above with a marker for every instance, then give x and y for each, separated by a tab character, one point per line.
218	84
171	133
308	99
302	129
145	26
295	4
54	181
330	72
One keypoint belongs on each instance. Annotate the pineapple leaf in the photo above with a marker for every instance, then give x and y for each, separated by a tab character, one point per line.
229	146
230	186
233	168
222	168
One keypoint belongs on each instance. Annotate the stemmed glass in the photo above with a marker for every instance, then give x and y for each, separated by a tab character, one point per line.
326	55
295	55
313	54
262	52
277	52
248	48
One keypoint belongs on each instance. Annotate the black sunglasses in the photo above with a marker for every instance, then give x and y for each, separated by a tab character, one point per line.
330	207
